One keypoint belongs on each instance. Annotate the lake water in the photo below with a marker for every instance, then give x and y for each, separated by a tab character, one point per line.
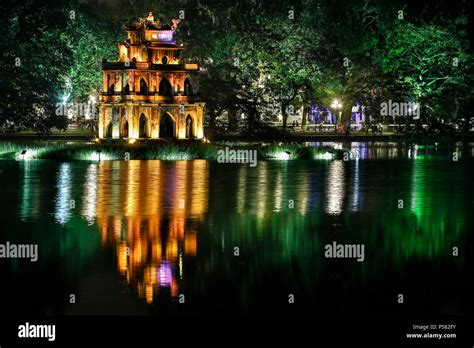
136	237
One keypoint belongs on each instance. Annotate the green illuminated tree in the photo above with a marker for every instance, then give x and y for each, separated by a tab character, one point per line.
431	64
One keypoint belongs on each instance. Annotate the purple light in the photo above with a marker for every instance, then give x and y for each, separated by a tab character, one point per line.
165	35
358	116
165	275
319	115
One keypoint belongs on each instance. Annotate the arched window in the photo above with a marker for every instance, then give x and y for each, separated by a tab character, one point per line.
143	87
164	60
165	88
187	87
112	88
126	89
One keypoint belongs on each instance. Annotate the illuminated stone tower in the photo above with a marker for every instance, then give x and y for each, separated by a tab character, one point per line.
149	92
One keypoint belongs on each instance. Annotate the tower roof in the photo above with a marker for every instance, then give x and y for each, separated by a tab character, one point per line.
149	23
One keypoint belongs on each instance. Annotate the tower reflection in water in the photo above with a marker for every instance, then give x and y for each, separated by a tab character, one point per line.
149	211
149	214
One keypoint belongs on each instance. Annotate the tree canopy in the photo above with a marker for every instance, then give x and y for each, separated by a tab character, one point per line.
259	58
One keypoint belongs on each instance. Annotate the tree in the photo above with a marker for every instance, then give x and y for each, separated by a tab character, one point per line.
90	39
33	61
432	64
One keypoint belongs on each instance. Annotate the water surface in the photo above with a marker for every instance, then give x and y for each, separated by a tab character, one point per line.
130	237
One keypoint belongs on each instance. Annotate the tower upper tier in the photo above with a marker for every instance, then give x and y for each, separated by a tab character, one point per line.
150	44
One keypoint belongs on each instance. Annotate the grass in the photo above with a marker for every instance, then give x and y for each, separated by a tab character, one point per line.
295	151
14	151
82	151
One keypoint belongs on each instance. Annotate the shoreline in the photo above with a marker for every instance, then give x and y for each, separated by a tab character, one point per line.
93	151
389	137
191	150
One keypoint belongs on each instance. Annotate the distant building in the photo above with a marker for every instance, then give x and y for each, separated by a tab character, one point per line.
324	115
149	92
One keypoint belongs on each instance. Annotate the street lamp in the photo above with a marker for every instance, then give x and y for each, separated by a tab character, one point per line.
337	105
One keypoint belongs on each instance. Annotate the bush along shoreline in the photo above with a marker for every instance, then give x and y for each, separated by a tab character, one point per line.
70	151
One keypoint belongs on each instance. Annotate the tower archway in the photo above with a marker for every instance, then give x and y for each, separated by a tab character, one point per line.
108	130
187	87
143	127
189	127
124	130
167	126
143	87
165	88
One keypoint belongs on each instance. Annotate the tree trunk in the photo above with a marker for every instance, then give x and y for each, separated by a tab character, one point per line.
212	119
346	110
305	109
252	118
284	112
305	115
456	111
232	120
